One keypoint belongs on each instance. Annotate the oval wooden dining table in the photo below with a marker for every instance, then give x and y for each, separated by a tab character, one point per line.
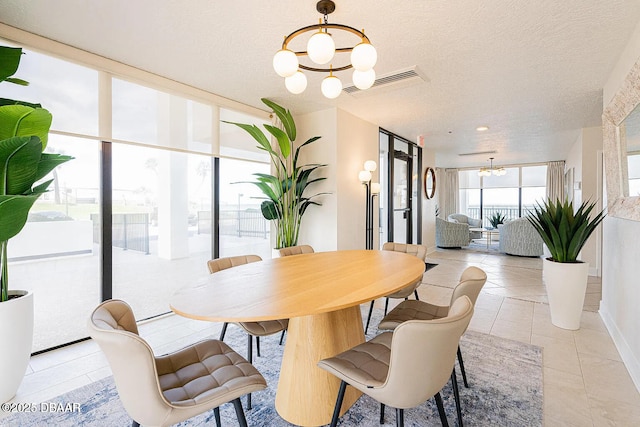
320	294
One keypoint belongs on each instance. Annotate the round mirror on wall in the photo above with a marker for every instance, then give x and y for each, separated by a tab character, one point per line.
429	183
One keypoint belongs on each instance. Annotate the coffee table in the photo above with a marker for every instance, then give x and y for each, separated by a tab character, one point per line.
489	232
320	294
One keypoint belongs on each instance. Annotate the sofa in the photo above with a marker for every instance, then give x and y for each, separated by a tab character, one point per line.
471	222
518	237
451	234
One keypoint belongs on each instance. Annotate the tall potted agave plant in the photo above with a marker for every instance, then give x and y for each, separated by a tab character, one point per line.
24	128
285	199
565	232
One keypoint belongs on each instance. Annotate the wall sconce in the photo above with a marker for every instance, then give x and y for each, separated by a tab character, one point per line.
372	190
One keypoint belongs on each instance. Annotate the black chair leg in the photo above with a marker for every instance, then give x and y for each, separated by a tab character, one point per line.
382	413
415	292
242	421
456	396
250	358
464	374
399	417
336	410
224	331
369	317
216	415
443	416
134	423
258	345
386	306
282	336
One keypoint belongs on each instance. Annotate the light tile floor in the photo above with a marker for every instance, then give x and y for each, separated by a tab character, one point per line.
585	381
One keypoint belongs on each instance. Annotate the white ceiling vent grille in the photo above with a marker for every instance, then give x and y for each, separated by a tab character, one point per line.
399	78
478	152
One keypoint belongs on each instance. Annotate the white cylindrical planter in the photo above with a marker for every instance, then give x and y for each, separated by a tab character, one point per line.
566	285
16	332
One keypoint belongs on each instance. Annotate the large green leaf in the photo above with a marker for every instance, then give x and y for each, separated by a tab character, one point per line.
50	161
269	210
9	61
19	159
256	133
307	142
285	117
20	120
14	211
283	140
5	101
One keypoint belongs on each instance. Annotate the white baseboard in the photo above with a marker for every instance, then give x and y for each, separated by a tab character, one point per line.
628	358
594	271
431	250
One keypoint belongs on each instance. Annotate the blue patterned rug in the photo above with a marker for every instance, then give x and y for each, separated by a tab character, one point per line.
505	379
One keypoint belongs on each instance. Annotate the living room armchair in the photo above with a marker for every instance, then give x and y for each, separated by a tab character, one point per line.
471	222
451	234
518	237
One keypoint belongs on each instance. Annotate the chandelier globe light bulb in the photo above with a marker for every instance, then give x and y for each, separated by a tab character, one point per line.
331	86
364	79
296	83
285	63
364	56
321	48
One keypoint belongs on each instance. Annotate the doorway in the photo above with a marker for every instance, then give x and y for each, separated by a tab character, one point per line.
400	216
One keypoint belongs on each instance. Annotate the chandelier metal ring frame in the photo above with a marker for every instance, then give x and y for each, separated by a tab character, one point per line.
320	27
321	50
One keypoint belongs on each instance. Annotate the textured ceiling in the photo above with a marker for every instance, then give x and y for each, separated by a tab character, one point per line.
532	71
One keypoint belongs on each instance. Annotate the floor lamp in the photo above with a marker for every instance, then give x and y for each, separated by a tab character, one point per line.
371	189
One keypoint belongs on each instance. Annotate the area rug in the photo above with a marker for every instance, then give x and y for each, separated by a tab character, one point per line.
505	379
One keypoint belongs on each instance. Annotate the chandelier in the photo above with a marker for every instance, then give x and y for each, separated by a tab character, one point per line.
321	49
491	170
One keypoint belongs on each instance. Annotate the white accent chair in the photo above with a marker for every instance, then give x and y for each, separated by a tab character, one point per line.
518	237
471	222
451	234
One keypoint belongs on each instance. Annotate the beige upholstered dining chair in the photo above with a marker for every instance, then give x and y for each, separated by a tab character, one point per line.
296	250
253	329
403	368
164	390
419	251
470	284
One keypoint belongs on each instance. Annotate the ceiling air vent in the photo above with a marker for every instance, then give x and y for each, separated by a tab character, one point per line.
399	78
478	152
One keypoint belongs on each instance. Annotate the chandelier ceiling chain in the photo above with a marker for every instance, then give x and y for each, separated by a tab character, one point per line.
321	50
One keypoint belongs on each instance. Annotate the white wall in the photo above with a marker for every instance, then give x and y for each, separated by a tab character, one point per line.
346	143
583	158
620	290
429	205
319	223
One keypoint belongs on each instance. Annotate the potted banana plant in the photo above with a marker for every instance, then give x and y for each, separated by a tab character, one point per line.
565	232
285	199
24	128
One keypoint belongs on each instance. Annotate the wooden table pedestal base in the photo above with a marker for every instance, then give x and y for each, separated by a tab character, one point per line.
307	394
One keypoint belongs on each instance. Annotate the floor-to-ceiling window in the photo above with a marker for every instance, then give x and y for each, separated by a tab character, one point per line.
511	195
162	146
55	254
